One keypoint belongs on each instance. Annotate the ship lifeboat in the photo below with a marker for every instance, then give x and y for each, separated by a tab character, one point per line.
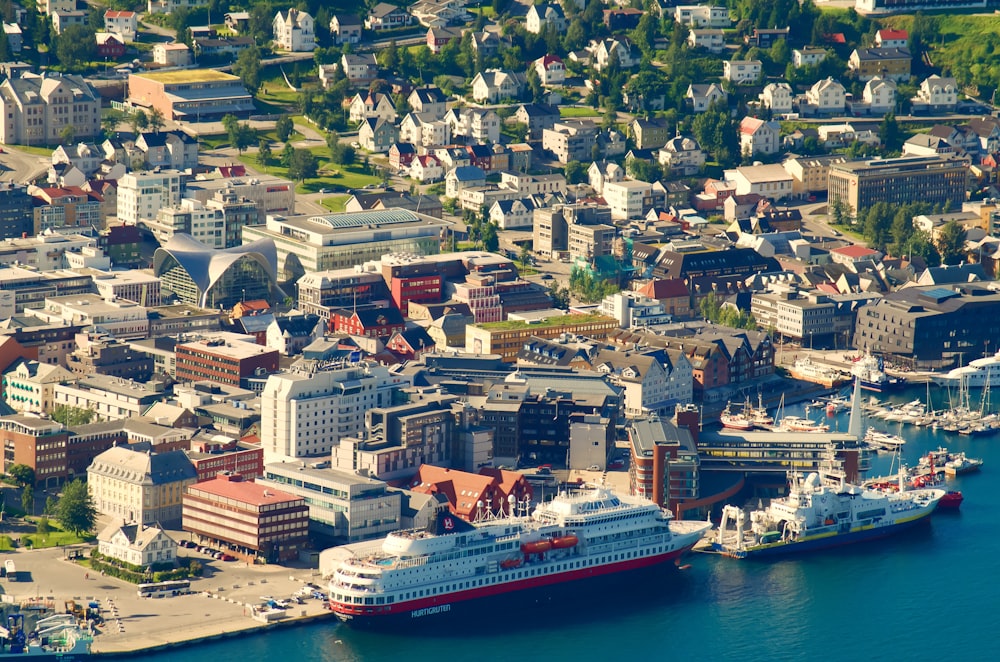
537	547
508	564
564	542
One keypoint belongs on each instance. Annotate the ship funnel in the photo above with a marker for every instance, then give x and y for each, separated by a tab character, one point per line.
854	425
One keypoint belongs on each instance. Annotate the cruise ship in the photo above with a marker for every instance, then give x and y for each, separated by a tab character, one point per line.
978	374
577	538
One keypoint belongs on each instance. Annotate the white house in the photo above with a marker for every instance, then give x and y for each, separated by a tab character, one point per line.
758	137
541	16
492	85
479	125
372	104
769	181
606	50
808	56
603	172
463	177
936	93
377	135
626	198
711	39
880	94
888	38
683	155
429	100
742	72
426	168
827	95
137	544
777	97
125	23
513	214
424	129
345	29
294	31
703	16
704	95
172	55
550	69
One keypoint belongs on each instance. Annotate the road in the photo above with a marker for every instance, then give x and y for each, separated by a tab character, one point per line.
18	166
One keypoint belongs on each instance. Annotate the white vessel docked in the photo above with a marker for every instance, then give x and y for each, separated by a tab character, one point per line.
577	536
978	374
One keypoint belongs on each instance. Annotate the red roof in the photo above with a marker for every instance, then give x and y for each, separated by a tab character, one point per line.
112	13
551	59
234	487
835	38
854	250
887	35
233	171
749	125
664	288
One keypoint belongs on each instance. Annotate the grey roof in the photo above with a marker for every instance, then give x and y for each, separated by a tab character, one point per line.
135	467
206	266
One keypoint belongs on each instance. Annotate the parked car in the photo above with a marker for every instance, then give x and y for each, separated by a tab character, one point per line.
326	190
228	557
594	467
319	595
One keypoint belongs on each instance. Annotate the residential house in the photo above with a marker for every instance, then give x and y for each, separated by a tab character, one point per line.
742	72
426	168
710	39
649	133
440	13
476	125
63	19
401	155
925	144
603	172
765	37
345	29
768	181
410	344
540	17
701	16
384	16
15	38
368	322
889	38
125	23
294	31
424	129
834	136
620	48
683	155
137	544
360	69
109	45
221	48
936	94
486	44
987	130
777	97
626	198
437	38
494	85
172	55
759	137
517	214
537	117
237	21
428	100
463	177
371	104
571	140
808	56
879	95
377	135
622	19
894	63
827	96
701	96
550	69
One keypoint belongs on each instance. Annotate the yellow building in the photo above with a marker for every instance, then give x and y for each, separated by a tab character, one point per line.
892	63
507	338
140	487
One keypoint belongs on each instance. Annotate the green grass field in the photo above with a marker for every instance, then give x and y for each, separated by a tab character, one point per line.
331	175
578	111
335	203
54	538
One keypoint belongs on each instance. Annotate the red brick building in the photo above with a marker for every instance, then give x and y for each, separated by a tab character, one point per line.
210	458
223	360
424	288
38	443
246	519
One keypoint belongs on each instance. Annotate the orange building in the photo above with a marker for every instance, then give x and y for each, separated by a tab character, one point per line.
472	496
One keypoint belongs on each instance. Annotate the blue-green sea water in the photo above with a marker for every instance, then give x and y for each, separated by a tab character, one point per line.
928	594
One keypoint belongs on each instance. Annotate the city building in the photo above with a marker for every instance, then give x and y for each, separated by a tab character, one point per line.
306	410
38	443
625	198
879	7
891	63
110	398
15	210
251	520
122	319
191	94
272	196
132	285
665	466
65	207
221	454
172	55
141	487
473	496
343	506
100	354
224	358
141	195
28	385
308	244
35	110
137	544
933	179
506	338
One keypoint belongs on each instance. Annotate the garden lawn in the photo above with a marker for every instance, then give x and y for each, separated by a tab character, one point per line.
335	203
54	538
577	111
6	544
330	175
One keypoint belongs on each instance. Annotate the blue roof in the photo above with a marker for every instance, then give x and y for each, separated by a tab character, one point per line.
469	173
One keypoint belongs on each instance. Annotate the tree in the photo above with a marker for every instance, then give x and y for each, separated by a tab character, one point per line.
156	121
28	500
302	165
110	122
643	170
243	137
951	243
72	416
488	234
889	134
286	156
247	67
560	295
68	134
524	256
139	121
22	474
50	505
75	510
43	528
575	172
264	154
76	47
283	128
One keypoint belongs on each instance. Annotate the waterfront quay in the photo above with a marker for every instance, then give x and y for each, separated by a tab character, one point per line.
221	603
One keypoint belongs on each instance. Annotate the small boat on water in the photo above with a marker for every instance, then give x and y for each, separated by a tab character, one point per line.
748	418
884	440
960	465
809	371
870	372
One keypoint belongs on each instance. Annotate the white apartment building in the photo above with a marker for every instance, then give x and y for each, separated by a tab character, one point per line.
122	319
626	198
141	195
306	410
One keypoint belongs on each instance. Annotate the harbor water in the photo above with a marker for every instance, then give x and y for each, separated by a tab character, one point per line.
926	594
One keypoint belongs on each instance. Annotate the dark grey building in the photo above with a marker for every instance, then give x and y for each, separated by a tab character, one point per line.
931	327
16	212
